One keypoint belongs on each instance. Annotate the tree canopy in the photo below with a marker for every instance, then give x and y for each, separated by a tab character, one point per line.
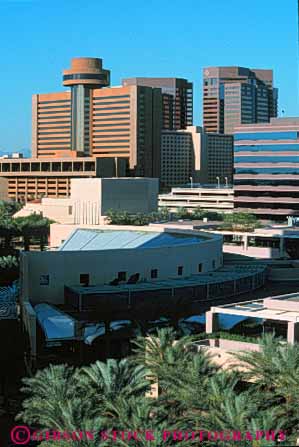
194	395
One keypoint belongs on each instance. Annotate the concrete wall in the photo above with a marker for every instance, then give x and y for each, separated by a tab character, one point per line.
132	195
59	210
222	352
254	252
64	268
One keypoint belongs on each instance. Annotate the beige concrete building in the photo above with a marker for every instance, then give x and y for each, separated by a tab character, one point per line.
91	199
106	253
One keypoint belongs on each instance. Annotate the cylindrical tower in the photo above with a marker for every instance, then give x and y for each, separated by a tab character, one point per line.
85	74
86	71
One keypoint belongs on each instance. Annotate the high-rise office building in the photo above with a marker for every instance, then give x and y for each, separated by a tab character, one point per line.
237	95
177	157
91	130
192	153
91	120
219	158
61	121
266	165
177	99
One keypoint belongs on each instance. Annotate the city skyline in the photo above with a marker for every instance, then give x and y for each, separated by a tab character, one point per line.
150	47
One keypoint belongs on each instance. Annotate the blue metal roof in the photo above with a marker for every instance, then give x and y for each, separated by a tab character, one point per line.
115	239
56	324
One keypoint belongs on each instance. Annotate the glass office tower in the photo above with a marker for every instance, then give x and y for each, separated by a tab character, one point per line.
266	168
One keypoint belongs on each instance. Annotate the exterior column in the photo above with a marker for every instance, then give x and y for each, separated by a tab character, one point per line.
245	239
281	247
211	322
293	332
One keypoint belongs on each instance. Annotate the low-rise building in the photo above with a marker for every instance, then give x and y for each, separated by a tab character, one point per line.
277	314
91	199
71	297
269	242
33	178
193	196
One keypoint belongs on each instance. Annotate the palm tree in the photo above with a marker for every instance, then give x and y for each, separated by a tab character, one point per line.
55	402
141	419
239	413
107	381
274	373
262	364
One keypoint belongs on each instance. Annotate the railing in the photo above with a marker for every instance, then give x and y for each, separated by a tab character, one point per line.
8	301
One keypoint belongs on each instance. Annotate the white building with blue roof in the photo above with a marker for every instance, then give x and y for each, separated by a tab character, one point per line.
104	256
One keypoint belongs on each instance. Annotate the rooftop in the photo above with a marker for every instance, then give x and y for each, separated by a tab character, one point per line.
86	240
281	308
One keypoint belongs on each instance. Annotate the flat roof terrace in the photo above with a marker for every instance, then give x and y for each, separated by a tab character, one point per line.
173	296
281	307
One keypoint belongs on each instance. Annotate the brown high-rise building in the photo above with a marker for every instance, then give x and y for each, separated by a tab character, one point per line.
105	122
237	95
91	130
177	99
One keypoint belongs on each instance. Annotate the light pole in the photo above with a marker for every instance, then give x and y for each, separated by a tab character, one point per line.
218	181
226	181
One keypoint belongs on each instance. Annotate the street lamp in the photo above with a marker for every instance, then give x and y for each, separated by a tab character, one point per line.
218	181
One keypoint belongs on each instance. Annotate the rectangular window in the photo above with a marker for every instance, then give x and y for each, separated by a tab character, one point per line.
122	276
84	279
199	268
44	280
154	273
180	270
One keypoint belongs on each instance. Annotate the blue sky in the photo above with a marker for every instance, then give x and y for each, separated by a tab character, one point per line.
139	38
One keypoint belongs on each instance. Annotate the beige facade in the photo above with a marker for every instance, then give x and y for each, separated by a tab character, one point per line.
63	268
91	199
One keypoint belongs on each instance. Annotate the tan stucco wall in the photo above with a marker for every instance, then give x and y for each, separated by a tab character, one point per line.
65	267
